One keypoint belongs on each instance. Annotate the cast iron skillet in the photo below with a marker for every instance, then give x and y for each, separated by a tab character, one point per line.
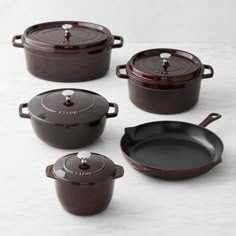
172	149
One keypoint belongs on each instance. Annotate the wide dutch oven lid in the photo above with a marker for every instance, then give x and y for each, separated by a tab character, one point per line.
66	35
68	106
84	168
164	66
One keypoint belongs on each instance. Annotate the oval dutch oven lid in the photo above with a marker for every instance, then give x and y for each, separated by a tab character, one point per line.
68	106
84	168
66	35
164	66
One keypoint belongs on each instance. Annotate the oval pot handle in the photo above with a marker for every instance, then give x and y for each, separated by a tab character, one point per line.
120	44
210	118
115	113
19	44
119	172
209	75
49	172
21	113
119	74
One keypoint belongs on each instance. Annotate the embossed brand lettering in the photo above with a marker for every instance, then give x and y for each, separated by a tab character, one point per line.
67	112
85	173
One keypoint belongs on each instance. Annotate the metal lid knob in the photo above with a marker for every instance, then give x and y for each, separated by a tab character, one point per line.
84	156
165	55
68	93
165	63
67	28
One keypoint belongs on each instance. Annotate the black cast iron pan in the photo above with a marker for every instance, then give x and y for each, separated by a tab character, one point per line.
172	149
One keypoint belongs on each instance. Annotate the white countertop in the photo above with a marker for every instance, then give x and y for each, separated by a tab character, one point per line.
205	205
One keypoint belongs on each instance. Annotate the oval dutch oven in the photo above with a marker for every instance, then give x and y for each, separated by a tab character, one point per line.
164	81
67	51
68	118
84	181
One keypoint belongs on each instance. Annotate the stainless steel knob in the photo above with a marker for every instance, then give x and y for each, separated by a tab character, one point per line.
165	56
84	156
68	93
67	28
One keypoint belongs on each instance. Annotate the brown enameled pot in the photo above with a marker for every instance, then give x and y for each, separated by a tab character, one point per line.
164	81
84	181
67	51
68	118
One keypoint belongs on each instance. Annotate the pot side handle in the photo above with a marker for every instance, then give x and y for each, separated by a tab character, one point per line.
119	74
21	113
49	172
115	113
120	44
17	44
119	172
209	75
210	118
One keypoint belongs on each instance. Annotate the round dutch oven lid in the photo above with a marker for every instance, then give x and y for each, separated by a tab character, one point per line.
84	168
66	35
165	66
68	106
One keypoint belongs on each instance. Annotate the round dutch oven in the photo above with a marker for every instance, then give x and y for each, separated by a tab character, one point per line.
68	118
84	181
163	80
67	51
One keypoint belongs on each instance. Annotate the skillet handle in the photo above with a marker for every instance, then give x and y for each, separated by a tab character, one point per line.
120	44
119	74
209	75
115	113
210	118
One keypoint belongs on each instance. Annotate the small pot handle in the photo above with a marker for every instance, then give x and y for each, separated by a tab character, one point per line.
21	114
120	75
15	44
209	75
120	44
119	172
49	172
115	113
210	118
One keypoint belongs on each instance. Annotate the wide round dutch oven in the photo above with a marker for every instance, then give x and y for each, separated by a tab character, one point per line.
164	80
84	181
68	118
67	51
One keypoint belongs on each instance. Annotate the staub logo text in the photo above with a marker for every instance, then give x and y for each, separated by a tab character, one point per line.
67	112
85	173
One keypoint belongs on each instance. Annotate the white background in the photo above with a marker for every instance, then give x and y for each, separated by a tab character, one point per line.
201	206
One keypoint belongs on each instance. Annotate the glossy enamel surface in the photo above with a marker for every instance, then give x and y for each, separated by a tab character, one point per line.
80	53
73	126
84	191
164	86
